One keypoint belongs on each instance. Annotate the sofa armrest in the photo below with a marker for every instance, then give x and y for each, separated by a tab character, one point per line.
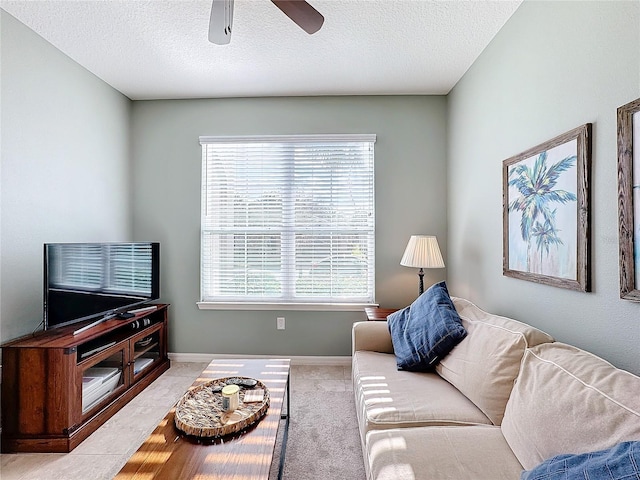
372	336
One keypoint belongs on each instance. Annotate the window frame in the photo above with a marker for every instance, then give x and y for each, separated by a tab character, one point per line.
280	304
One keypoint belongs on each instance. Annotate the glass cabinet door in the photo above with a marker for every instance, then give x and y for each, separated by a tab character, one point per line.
146	350
102	374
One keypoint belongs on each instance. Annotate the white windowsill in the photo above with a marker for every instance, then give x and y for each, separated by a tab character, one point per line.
319	307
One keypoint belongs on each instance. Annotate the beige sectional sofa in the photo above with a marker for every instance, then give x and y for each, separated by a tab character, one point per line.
506	398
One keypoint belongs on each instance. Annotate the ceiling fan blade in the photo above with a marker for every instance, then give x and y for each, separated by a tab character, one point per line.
303	14
221	21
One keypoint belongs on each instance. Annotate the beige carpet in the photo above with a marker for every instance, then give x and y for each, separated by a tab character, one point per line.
323	442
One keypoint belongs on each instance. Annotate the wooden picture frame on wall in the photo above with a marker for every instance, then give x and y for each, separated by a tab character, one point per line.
629	199
546	231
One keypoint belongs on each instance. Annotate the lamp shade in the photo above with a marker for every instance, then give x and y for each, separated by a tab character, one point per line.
422	251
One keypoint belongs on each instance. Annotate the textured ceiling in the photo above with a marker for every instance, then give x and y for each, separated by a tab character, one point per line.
151	49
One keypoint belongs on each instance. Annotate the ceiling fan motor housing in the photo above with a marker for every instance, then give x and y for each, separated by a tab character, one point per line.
221	22
299	11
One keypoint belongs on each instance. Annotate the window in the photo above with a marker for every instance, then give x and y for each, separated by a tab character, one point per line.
288	219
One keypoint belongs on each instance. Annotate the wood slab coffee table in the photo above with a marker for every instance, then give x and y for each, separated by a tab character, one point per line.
169	453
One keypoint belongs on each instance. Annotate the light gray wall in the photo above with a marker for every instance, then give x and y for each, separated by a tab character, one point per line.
410	198
65	176
553	66
65	171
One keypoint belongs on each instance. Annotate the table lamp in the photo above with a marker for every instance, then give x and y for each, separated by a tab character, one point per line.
422	251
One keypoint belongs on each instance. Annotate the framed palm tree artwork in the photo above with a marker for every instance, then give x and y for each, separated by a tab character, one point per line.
546	212
629	199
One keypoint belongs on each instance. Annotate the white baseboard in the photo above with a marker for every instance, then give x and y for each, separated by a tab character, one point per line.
295	360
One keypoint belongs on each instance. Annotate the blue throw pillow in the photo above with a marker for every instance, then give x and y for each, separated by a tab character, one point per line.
426	331
620	462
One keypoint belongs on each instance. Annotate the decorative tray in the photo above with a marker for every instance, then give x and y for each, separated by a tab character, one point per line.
199	412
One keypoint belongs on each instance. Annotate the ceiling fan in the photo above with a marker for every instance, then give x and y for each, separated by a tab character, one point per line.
300	11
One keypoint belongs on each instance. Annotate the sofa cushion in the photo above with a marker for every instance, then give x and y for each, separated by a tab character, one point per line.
439	453
620	462
485	364
388	398
426	331
568	401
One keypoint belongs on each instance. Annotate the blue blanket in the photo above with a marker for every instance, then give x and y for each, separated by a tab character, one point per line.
621	462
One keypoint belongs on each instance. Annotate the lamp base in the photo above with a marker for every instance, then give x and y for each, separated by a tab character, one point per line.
421	277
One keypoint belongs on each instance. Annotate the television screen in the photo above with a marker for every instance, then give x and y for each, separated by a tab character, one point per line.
84	281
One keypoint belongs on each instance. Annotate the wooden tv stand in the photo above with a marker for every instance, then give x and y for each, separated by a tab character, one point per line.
58	388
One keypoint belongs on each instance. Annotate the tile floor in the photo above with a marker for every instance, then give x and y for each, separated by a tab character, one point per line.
102	455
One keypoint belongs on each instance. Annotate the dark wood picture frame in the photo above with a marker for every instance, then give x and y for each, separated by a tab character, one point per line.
628	222
540	217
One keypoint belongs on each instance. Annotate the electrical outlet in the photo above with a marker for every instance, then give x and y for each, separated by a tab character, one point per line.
280	323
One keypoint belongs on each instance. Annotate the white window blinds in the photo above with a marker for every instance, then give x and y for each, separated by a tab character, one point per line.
288	219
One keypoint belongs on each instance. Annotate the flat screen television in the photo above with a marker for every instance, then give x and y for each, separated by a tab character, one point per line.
97	281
